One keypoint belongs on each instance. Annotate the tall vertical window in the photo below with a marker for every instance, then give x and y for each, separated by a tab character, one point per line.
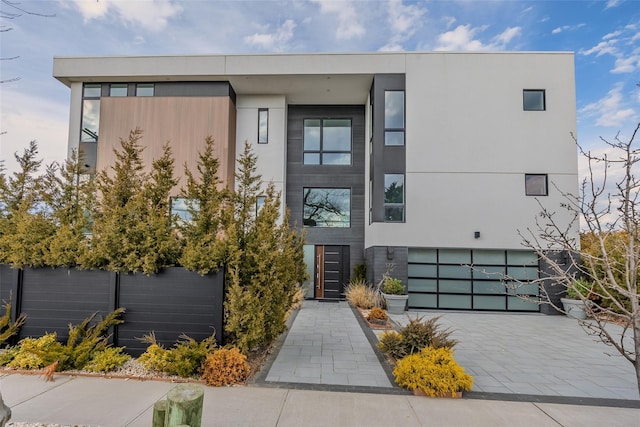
533	100
260	203
394	121
394	197
326	207
263	126
118	89
90	113
327	142
145	89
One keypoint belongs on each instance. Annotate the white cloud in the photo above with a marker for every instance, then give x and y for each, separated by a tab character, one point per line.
609	110
348	25
627	65
463	38
152	15
602	48
276	41
611	35
527	10
558	30
612	3
404	22
449	21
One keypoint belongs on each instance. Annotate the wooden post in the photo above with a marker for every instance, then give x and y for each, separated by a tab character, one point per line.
184	405
159	412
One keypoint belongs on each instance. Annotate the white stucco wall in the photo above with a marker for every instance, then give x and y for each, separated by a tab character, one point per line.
272	157
469	144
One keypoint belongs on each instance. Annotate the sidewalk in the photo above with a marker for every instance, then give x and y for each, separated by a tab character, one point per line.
82	401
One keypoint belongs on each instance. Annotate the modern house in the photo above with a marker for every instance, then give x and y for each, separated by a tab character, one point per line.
427	163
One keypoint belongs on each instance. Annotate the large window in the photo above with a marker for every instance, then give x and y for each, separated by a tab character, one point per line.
394	117
263	126
327	142
394	197
90	113
536	184
533	100
327	207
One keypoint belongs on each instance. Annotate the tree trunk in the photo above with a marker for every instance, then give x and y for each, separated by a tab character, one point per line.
184	405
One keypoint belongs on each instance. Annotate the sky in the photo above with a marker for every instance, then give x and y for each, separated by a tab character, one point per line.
604	35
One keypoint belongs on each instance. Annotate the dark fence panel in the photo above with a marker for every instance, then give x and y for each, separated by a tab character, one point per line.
171	303
6	287
52	298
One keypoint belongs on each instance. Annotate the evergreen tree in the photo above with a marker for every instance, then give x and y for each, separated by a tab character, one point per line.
264	263
203	232
70	195
132	227
25	223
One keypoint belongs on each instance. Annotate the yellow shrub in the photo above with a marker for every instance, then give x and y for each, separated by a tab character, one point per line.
434	371
225	367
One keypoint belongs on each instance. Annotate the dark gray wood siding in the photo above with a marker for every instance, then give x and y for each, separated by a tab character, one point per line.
300	176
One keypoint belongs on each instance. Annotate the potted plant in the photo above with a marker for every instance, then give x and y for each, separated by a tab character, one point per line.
574	303
394	294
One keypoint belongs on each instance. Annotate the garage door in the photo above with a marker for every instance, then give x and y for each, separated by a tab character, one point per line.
465	279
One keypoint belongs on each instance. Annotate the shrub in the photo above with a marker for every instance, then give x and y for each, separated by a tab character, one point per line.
434	371
225	367
7	327
107	360
393	286
184	359
360	272
391	343
377	315
36	353
361	295
415	336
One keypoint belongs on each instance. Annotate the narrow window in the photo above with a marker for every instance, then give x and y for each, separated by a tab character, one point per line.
394	121
394	197
327	142
118	89
327	207
263	126
92	91
533	100
182	209
145	89
90	113
536	184
260	203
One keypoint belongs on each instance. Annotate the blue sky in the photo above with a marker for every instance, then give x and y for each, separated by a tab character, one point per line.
605	36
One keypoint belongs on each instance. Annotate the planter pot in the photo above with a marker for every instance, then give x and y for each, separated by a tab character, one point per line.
574	308
396	304
419	392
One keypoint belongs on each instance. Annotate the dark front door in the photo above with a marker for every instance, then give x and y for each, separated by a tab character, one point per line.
332	271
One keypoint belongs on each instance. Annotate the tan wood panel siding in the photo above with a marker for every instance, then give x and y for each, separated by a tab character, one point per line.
183	121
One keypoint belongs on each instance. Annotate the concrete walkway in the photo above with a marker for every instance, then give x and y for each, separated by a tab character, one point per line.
535	354
326	345
94	401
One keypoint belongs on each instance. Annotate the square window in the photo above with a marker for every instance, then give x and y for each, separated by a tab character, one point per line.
326	207
263	126
327	142
533	100
119	89
393	137
182	209
536	185
145	89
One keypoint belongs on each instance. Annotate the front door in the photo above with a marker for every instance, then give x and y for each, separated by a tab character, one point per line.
332	271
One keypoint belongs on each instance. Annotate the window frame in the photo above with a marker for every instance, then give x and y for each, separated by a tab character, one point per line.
321	151
543	92
395	130
402	205
115	86
145	86
263	138
529	193
349	214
